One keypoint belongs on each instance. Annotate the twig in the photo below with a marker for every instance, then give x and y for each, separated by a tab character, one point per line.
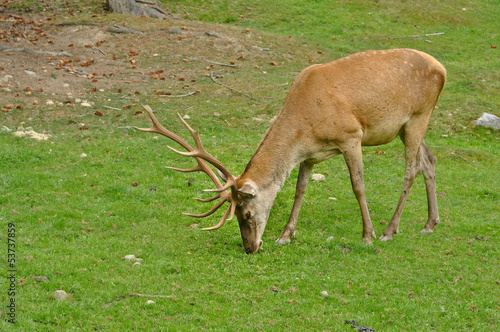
146	295
221	64
228	87
409	36
113	108
97	48
186	95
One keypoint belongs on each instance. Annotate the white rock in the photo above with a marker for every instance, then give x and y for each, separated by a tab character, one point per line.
83	155
318	177
66	85
60	295
488	120
129	257
149	302
85	104
49	102
186	117
30	73
330	238
6	78
78	100
216	114
324	293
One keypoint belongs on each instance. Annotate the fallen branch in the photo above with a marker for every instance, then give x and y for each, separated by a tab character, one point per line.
178	96
146	295
120	29
228	87
77	23
27	50
409	36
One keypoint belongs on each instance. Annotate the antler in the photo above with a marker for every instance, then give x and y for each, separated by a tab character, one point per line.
201	155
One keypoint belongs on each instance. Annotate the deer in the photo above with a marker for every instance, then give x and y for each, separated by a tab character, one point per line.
364	99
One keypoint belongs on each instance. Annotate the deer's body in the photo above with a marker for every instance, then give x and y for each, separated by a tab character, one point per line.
368	98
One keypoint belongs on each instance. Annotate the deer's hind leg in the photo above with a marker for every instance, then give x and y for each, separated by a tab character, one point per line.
412	136
428	167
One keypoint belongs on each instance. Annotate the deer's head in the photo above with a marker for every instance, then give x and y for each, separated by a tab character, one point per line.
247	202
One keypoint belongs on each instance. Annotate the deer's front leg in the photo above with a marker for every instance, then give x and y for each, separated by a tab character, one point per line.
354	160
302	181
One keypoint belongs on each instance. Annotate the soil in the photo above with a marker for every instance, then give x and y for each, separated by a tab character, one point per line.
54	58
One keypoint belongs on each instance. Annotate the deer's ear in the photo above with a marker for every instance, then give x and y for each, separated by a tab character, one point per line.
248	190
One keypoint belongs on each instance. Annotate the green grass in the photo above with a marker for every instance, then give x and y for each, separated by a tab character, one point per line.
76	218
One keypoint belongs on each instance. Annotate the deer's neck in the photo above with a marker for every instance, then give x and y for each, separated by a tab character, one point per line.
275	158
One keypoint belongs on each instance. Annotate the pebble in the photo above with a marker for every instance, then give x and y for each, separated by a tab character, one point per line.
60	295
49	102
30	73
318	177
331	238
83	155
149	302
136	264
6	78
186	117
324	293
85	104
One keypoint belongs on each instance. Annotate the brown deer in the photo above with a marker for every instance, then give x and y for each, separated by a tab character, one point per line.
365	99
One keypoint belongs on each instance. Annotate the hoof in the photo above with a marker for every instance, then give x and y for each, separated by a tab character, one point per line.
385	238
368	241
282	241
426	231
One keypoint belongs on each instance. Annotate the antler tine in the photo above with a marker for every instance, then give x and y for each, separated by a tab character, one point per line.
202	153
230	210
202	157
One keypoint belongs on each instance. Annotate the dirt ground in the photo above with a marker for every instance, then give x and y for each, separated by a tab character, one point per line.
58	58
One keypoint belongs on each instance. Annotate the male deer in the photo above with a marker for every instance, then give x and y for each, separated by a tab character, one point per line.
367	98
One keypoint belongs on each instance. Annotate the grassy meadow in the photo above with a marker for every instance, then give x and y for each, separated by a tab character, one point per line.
84	199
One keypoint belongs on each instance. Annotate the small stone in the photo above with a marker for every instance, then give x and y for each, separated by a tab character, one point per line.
149	302
216	114
78	100
6	78
66	85
318	177
49	102
83	155
41	278
60	295
330	238
136	264
129	257
324	293
30	73
186	117
85	104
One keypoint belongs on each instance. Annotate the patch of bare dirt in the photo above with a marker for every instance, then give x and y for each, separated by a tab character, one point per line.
67	61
